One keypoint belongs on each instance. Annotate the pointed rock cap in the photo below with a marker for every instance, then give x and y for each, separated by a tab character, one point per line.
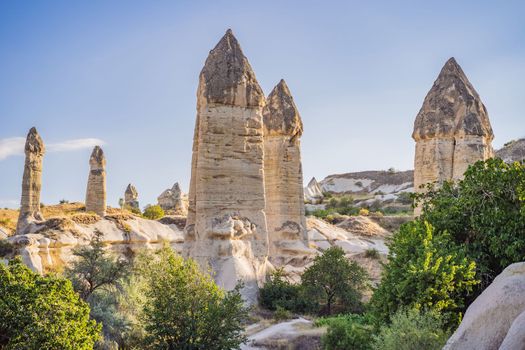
176	188
132	191
227	77
34	143
452	107
97	157
281	116
313	182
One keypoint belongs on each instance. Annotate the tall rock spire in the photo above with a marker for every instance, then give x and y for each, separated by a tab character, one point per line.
131	196
284	178
31	182
452	129
226	226
96	187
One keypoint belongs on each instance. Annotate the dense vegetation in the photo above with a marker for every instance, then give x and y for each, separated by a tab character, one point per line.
42	312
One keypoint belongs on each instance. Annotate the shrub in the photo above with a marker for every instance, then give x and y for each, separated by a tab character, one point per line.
39	312
412	330
485	212
186	309
278	292
372	253
153	212
281	314
6	248
405	198
333	280
347	332
63	201
364	212
424	271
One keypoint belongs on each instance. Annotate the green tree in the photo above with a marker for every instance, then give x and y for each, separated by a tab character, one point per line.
424	271
278	292
334	280
99	277
347	332
485	212
186	310
39	312
412	330
153	212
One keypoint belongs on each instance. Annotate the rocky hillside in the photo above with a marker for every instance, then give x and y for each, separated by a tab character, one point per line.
512	151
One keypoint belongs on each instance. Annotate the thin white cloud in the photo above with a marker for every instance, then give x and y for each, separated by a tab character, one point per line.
14	146
74	145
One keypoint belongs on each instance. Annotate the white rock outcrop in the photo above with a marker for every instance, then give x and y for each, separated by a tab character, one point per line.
494	320
226	227
173	199
313	193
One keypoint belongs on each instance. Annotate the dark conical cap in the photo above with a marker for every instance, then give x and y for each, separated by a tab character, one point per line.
452	107
34	143
227	77
281	116
97	156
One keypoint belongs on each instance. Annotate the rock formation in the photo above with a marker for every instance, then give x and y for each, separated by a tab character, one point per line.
131	197
96	187
226	228
452	130
494	320
283	177
173	199
512	151
313	193
31	183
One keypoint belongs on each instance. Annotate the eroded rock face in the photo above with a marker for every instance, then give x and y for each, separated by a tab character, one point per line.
173	199
284	177
226	227
493	319
96	187
131	197
452	130
31	183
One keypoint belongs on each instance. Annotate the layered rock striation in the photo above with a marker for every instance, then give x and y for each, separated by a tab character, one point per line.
96	187
283	177
31	183
452	129
226	227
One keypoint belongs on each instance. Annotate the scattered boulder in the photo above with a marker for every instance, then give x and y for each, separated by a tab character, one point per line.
495	316
362	226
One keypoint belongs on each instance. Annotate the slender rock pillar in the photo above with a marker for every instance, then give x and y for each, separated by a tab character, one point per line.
96	187
131	197
226	228
284	178
31	182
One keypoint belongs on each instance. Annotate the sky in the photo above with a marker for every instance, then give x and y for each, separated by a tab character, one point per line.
124	74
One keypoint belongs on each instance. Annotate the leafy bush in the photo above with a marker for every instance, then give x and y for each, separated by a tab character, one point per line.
186	309
42	312
485	212
278	292
364	212
424	271
333	280
412	330
405	198
347	332
153	212
281	314
6	248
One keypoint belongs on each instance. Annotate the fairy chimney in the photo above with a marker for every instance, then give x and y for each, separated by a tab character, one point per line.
96	187
131	197
283	175
452	129
226	227
31	182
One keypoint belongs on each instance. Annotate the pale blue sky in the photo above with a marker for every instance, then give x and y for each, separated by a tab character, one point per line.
126	73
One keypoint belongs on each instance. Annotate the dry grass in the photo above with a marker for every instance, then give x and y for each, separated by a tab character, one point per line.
8	219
